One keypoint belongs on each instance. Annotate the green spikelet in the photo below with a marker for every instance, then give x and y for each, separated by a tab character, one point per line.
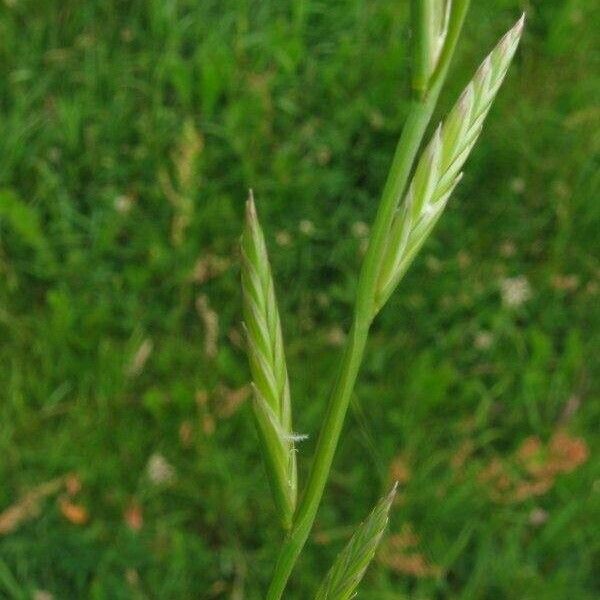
271	402
432	17
352	562
439	169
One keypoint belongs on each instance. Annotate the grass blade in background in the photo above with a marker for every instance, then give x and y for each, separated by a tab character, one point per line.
271	404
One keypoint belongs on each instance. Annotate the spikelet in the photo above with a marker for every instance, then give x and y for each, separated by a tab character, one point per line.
435	17
439	169
271	400
352	562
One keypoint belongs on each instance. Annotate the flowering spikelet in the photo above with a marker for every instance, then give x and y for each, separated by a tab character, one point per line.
439	169
434	15
271	404
352	562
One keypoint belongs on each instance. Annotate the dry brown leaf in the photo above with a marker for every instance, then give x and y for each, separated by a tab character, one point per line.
208	425
405	539
572	405
201	398
563	454
230	400
209	266
496	476
186	434
414	565
28	506
210	319
400	554
530	449
236	338
179	188
142	354
134	517
207	421
459	458
565	283
400	470
73	484
529	489
566	452
322	538
74	513
132	577
217	588
535	467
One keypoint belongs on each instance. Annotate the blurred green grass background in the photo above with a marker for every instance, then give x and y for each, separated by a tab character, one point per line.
129	134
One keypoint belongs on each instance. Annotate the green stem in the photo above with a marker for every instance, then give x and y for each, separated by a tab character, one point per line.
353	354
422	24
419	116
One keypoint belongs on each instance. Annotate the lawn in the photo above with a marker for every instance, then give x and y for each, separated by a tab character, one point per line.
130	132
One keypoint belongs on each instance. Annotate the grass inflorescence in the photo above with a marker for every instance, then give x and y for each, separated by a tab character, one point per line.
439	169
271	402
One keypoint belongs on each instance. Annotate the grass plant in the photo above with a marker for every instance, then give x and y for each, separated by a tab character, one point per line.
129	132
398	234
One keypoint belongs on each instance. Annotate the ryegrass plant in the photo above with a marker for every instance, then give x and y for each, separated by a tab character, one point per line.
397	235
490	339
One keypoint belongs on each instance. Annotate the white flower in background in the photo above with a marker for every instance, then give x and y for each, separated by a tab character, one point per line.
336	336
283	238
360	229
515	291
538	516
123	204
306	227
517	185
484	340
159	470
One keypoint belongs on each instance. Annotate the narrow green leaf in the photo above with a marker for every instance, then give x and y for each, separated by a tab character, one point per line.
23	218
